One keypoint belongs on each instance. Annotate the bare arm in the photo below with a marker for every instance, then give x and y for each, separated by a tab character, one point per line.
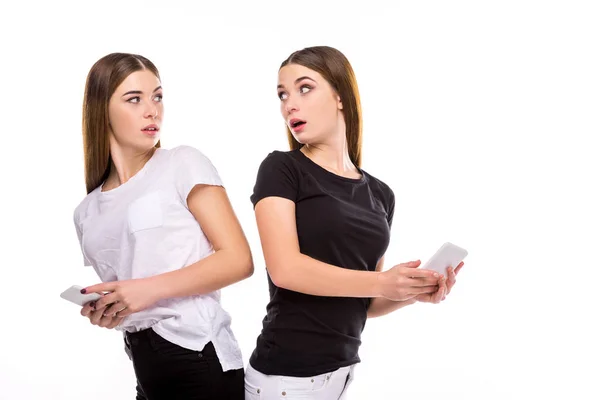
231	262
381	306
290	269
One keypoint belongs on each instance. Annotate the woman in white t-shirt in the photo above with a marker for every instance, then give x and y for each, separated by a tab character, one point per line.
158	228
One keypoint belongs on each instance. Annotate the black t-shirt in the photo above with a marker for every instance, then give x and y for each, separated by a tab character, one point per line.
340	221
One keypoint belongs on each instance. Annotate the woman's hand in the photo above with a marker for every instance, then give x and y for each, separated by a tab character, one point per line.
125	297
97	317
436	296
444	287
452	278
404	281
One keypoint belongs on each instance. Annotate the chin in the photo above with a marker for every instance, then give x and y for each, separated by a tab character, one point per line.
147	144
151	140
305	139
302	138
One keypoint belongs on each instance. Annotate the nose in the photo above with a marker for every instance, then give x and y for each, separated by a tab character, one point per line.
151	111
291	105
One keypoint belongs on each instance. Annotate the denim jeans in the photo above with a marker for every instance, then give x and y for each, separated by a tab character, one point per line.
166	371
328	386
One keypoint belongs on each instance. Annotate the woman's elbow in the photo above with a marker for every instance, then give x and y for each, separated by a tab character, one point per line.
245	265
279	276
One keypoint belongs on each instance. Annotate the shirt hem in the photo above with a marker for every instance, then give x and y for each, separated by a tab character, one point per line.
259	365
226	362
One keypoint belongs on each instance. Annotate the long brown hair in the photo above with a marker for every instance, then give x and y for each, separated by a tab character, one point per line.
335	68
102	81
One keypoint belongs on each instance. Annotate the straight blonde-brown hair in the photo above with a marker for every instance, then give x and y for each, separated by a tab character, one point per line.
335	68
102	80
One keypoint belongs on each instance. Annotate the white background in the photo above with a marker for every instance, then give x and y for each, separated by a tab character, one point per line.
482	116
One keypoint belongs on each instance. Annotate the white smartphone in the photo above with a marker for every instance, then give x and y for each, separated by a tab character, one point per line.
449	255
74	295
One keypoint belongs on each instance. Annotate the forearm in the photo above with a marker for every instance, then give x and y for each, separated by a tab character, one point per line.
381	306
220	269
306	275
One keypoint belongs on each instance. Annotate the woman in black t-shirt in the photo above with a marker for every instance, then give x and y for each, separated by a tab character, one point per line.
324	225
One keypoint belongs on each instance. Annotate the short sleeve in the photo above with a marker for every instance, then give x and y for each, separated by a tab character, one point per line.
193	168
391	207
276	177
86	261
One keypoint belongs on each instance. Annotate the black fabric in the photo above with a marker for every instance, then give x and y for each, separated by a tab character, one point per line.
340	221
166	371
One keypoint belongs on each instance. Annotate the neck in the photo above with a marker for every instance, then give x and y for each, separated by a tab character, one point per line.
125	164
332	155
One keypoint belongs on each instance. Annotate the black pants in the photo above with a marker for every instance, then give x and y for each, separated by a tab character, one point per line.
166	371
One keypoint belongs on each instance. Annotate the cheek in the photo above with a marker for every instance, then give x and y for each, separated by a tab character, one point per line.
160	107
121	121
324	109
282	110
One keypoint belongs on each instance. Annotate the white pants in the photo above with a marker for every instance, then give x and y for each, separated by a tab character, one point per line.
329	386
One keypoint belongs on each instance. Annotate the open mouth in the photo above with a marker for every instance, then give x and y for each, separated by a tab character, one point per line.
151	129
297	123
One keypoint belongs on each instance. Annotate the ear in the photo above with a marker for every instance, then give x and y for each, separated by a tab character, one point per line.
339	103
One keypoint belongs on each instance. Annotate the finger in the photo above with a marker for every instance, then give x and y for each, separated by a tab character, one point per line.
427	297
451	276
428	290
419	273
105	321
107	300
100	288
434	297
115	322
441	291
411	264
87	309
125	312
424	289
115	310
420	282
451	272
111	309
95	317
451	283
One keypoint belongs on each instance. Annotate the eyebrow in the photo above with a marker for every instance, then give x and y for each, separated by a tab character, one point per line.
297	80
139	91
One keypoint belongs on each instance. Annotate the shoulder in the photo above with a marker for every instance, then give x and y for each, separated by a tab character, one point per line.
185	153
378	186
82	209
279	157
190	166
282	159
278	175
190	160
279	161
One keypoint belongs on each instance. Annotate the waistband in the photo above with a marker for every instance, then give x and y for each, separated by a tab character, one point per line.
146	335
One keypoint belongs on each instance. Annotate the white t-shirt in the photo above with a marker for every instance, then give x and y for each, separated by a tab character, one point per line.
144	228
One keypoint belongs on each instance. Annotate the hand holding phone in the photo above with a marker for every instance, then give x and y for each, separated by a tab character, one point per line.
448	255
74	295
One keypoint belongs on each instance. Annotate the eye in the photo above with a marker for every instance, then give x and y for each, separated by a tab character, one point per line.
158	98
135	99
282	95
305	89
